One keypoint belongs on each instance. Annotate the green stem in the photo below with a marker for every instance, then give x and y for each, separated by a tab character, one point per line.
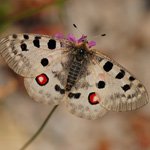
40	129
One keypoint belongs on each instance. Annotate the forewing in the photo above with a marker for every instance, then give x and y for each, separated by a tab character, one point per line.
31	54
117	88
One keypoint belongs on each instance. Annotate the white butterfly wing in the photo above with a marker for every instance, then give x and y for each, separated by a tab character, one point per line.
82	100
106	86
46	62
118	89
31	54
48	87
83	108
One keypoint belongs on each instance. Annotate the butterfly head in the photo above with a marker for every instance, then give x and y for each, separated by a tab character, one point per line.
81	46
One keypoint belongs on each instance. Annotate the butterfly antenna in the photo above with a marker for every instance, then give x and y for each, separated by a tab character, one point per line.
88	38
95	37
77	29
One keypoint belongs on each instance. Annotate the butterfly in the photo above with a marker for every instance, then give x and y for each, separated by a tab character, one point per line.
57	69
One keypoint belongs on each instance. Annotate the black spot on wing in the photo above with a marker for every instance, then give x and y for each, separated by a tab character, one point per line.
26	37
77	95
126	87
70	95
14	36
36	41
108	66
140	85
62	91
120	75
131	78
24	47
51	44
37	37
44	62
57	87
101	84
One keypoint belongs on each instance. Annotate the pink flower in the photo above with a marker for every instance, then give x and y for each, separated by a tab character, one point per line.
83	37
91	43
59	35
72	38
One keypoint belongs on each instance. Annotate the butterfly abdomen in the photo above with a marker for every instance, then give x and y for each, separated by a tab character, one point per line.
73	74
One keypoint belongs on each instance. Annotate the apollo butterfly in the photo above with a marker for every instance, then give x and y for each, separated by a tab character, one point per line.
59	69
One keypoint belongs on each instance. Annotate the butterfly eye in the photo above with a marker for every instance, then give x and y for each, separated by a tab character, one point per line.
85	41
81	51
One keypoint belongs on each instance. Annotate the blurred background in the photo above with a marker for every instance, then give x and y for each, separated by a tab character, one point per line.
127	25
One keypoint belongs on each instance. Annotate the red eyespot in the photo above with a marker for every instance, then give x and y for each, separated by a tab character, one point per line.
93	98
42	79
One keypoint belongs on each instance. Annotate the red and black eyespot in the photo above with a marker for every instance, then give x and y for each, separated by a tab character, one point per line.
42	79
93	98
